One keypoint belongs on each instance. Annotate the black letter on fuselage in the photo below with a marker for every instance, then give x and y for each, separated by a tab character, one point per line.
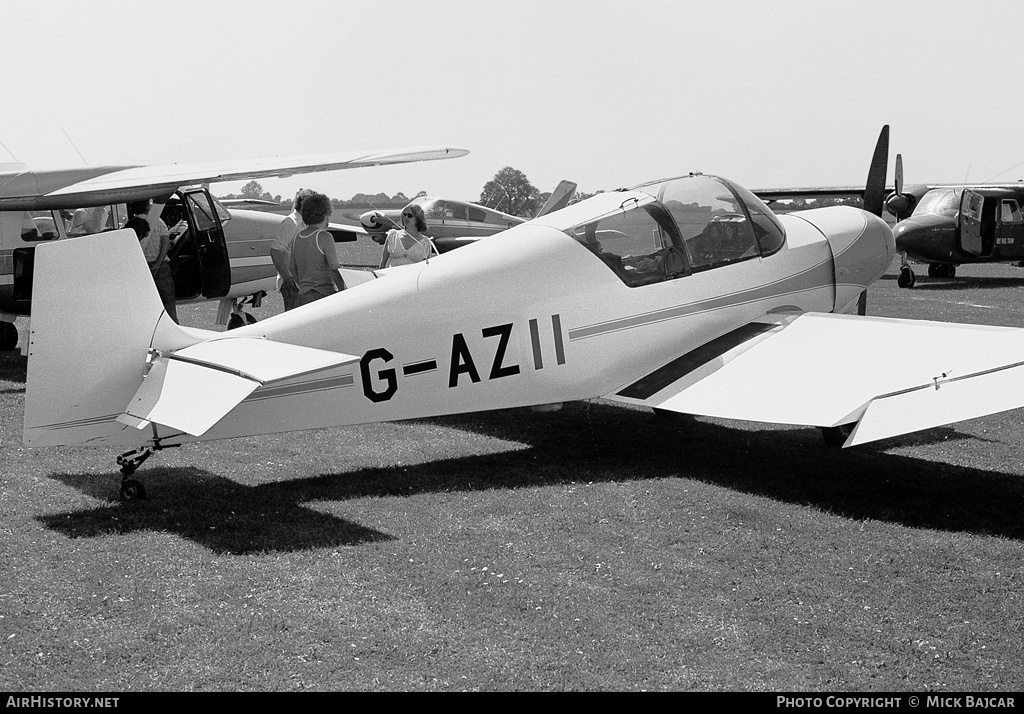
388	375
497	370
462	361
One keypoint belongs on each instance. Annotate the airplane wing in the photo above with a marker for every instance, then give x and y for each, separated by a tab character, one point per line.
889	376
28	190
193	388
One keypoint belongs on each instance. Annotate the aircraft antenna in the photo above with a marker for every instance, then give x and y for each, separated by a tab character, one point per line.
75	147
8	151
1005	172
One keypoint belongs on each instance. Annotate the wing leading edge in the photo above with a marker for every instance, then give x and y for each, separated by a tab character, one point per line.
887	376
26	190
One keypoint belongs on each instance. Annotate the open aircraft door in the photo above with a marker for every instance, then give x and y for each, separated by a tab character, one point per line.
975	226
199	256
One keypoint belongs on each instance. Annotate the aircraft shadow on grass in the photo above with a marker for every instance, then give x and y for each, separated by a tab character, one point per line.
585	442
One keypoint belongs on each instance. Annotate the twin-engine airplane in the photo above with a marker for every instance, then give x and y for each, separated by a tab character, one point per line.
687	295
217	254
947	225
451	224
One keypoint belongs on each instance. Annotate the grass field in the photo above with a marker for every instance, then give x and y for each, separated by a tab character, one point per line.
595	548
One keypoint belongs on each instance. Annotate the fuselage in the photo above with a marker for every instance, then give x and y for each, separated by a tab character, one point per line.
960	225
538	314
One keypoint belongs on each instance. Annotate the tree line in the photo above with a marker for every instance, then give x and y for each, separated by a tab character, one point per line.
510	191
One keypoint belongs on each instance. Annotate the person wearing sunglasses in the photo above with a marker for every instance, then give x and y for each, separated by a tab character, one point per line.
408	245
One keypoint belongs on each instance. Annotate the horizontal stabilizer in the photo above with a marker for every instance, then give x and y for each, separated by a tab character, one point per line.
194	388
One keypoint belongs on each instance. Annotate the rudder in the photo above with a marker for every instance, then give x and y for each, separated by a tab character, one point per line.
95	311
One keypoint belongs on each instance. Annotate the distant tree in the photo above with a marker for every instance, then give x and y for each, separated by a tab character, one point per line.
420	194
580	196
252	190
511	192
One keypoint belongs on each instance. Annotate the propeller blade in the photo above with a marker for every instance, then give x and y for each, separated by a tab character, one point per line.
899	173
874	189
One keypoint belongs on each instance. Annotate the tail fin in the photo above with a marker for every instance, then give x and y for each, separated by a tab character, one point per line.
558	199
95	314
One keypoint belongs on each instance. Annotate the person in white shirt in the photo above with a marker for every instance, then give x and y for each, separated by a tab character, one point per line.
281	250
408	245
155	247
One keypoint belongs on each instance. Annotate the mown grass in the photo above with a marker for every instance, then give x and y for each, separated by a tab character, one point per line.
595	548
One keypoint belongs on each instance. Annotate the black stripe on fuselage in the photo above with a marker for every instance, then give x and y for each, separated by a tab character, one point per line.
678	368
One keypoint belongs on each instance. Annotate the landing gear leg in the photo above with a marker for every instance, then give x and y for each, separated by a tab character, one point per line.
129	461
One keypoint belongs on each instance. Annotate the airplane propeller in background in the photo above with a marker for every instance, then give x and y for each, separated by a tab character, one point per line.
874	188
901	203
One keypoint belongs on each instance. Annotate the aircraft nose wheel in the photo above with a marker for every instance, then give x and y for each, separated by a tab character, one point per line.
906	278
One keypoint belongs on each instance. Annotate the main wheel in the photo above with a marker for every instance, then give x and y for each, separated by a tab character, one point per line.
8	336
132	490
836	435
235	321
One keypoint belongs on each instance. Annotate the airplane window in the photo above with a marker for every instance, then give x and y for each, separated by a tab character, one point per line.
434	209
86	221
1010	211
940	202
477	214
714	225
640	246
972	203
202	211
768	229
34	225
458	211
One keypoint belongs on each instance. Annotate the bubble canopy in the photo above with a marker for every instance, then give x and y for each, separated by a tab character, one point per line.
667	229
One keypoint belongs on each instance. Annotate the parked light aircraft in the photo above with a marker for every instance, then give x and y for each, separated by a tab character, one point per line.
452	223
946	225
686	295
218	254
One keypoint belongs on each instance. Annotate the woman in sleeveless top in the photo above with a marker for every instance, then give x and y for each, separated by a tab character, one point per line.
408	245
314	259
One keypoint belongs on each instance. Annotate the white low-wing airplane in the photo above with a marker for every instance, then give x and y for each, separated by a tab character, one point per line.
219	254
687	295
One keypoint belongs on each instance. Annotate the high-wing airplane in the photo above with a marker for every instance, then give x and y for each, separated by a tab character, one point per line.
218	253
452	223
687	295
947	225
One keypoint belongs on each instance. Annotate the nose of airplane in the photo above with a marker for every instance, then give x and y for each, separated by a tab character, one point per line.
926	236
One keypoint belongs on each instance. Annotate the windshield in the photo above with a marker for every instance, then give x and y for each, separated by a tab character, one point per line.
940	202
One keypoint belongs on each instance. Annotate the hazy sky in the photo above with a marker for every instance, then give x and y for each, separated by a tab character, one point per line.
605	93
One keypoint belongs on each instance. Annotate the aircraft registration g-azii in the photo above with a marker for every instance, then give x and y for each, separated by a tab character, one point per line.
451	223
686	295
218	253
947	225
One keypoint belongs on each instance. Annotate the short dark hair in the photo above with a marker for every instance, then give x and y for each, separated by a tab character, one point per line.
139	225
137	207
315	208
301	195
